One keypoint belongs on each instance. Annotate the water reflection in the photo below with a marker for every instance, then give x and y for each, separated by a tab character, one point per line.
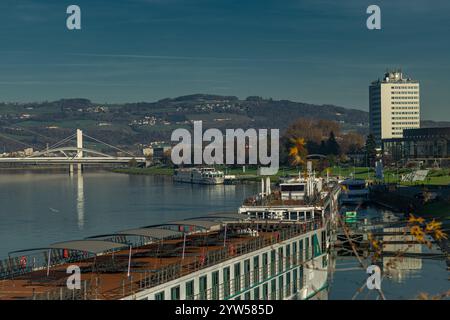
401	265
80	200
410	268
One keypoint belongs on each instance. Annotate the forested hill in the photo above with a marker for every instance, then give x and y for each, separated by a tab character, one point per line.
140	123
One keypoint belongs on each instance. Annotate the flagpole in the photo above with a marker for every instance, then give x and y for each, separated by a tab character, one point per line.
225	237
48	262
184	245
129	262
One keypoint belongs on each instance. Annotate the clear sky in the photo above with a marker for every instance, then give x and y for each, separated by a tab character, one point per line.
316	51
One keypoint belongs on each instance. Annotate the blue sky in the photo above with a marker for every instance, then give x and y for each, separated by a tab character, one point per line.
317	51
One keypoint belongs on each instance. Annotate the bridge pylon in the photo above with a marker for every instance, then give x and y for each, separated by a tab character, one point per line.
79	148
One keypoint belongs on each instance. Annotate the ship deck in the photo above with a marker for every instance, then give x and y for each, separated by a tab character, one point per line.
105	276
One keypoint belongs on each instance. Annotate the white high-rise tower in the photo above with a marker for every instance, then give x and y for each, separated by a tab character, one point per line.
394	105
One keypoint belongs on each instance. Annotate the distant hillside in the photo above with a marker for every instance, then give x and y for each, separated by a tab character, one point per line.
130	124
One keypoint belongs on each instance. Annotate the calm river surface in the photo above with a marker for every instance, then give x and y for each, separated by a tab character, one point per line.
38	209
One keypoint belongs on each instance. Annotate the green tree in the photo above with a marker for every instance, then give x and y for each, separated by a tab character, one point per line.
332	145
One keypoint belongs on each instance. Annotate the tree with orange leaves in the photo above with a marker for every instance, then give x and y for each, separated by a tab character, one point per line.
298	151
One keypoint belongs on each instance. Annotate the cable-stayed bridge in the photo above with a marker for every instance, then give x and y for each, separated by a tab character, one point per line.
59	153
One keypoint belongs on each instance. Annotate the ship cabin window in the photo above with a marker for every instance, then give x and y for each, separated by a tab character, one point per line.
272	262
280	259
159	295
324	241
294	215
288	256
256	269
292	187
280	288
190	290
273	290
226	282
256	294
301	277
294	280
307	215
175	293
288	284
307	248
265	262
237	278
265	291
203	286
294	253
300	249
247	273
315	246
215	286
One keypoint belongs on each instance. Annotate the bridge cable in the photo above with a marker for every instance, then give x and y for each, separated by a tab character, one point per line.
111	146
59	143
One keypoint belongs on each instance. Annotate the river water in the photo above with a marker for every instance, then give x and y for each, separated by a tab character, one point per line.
38	209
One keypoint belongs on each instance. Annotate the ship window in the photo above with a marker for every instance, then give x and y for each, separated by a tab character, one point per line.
300	246
324	241
247	273
226	282
288	256
294	280
203	286
292	187
266	291
190	290
294	253
301	277
315	246
247	296
307	248
256	294
288	284
264	268
272	262
280	259
175	293
237	277
273	290
215	285
256	269
280	287
159	295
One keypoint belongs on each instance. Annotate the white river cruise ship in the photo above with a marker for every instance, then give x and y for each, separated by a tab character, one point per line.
199	176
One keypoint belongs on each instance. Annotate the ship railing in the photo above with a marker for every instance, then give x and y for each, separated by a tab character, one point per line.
247	282
148	279
64	293
135	284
